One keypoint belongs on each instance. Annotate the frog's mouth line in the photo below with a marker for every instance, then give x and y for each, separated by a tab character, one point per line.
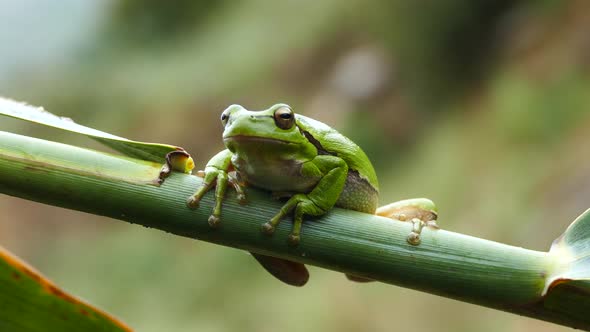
255	139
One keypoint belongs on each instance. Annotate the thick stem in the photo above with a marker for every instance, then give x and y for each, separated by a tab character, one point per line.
445	263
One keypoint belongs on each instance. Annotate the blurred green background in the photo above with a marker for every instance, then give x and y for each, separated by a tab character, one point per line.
481	106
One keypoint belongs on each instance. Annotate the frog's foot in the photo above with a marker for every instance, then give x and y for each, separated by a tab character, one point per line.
208	183
179	161
414	236
420	212
219	178
235	181
302	205
211	179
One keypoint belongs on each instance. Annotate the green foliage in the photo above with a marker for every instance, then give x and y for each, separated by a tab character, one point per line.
544	286
572	254
450	46
541	111
500	153
146	151
153	22
31	303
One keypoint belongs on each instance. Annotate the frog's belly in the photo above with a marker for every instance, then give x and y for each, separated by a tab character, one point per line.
275	175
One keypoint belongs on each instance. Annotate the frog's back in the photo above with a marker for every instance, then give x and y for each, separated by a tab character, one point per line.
361	189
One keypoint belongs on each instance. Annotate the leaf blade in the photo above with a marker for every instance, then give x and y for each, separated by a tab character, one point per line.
155	152
31	302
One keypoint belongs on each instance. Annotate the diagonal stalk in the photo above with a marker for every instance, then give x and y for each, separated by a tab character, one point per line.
445	263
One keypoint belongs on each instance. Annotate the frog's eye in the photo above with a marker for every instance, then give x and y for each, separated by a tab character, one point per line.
224	117
284	117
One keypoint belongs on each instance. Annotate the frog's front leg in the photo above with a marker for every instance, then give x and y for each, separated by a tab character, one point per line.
420	212
319	200
215	174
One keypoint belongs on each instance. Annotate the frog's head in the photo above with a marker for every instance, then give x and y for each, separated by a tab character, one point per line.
273	126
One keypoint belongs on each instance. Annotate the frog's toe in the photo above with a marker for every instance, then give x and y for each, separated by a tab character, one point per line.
192	202
413	238
267	228
242	199
293	240
214	221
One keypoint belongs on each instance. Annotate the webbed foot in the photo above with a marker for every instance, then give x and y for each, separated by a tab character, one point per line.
218	178
302	206
193	202
421	212
214	221
414	236
294	239
267	228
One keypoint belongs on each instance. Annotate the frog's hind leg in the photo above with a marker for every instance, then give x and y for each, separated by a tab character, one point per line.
408	209
317	202
420	212
291	273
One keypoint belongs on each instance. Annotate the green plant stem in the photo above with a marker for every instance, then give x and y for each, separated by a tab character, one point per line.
445	263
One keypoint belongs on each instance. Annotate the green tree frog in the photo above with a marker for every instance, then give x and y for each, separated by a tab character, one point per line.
315	166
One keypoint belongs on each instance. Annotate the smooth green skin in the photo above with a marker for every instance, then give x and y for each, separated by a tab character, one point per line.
313	164
307	161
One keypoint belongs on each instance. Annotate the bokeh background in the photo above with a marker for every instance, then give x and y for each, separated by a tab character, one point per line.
481	106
